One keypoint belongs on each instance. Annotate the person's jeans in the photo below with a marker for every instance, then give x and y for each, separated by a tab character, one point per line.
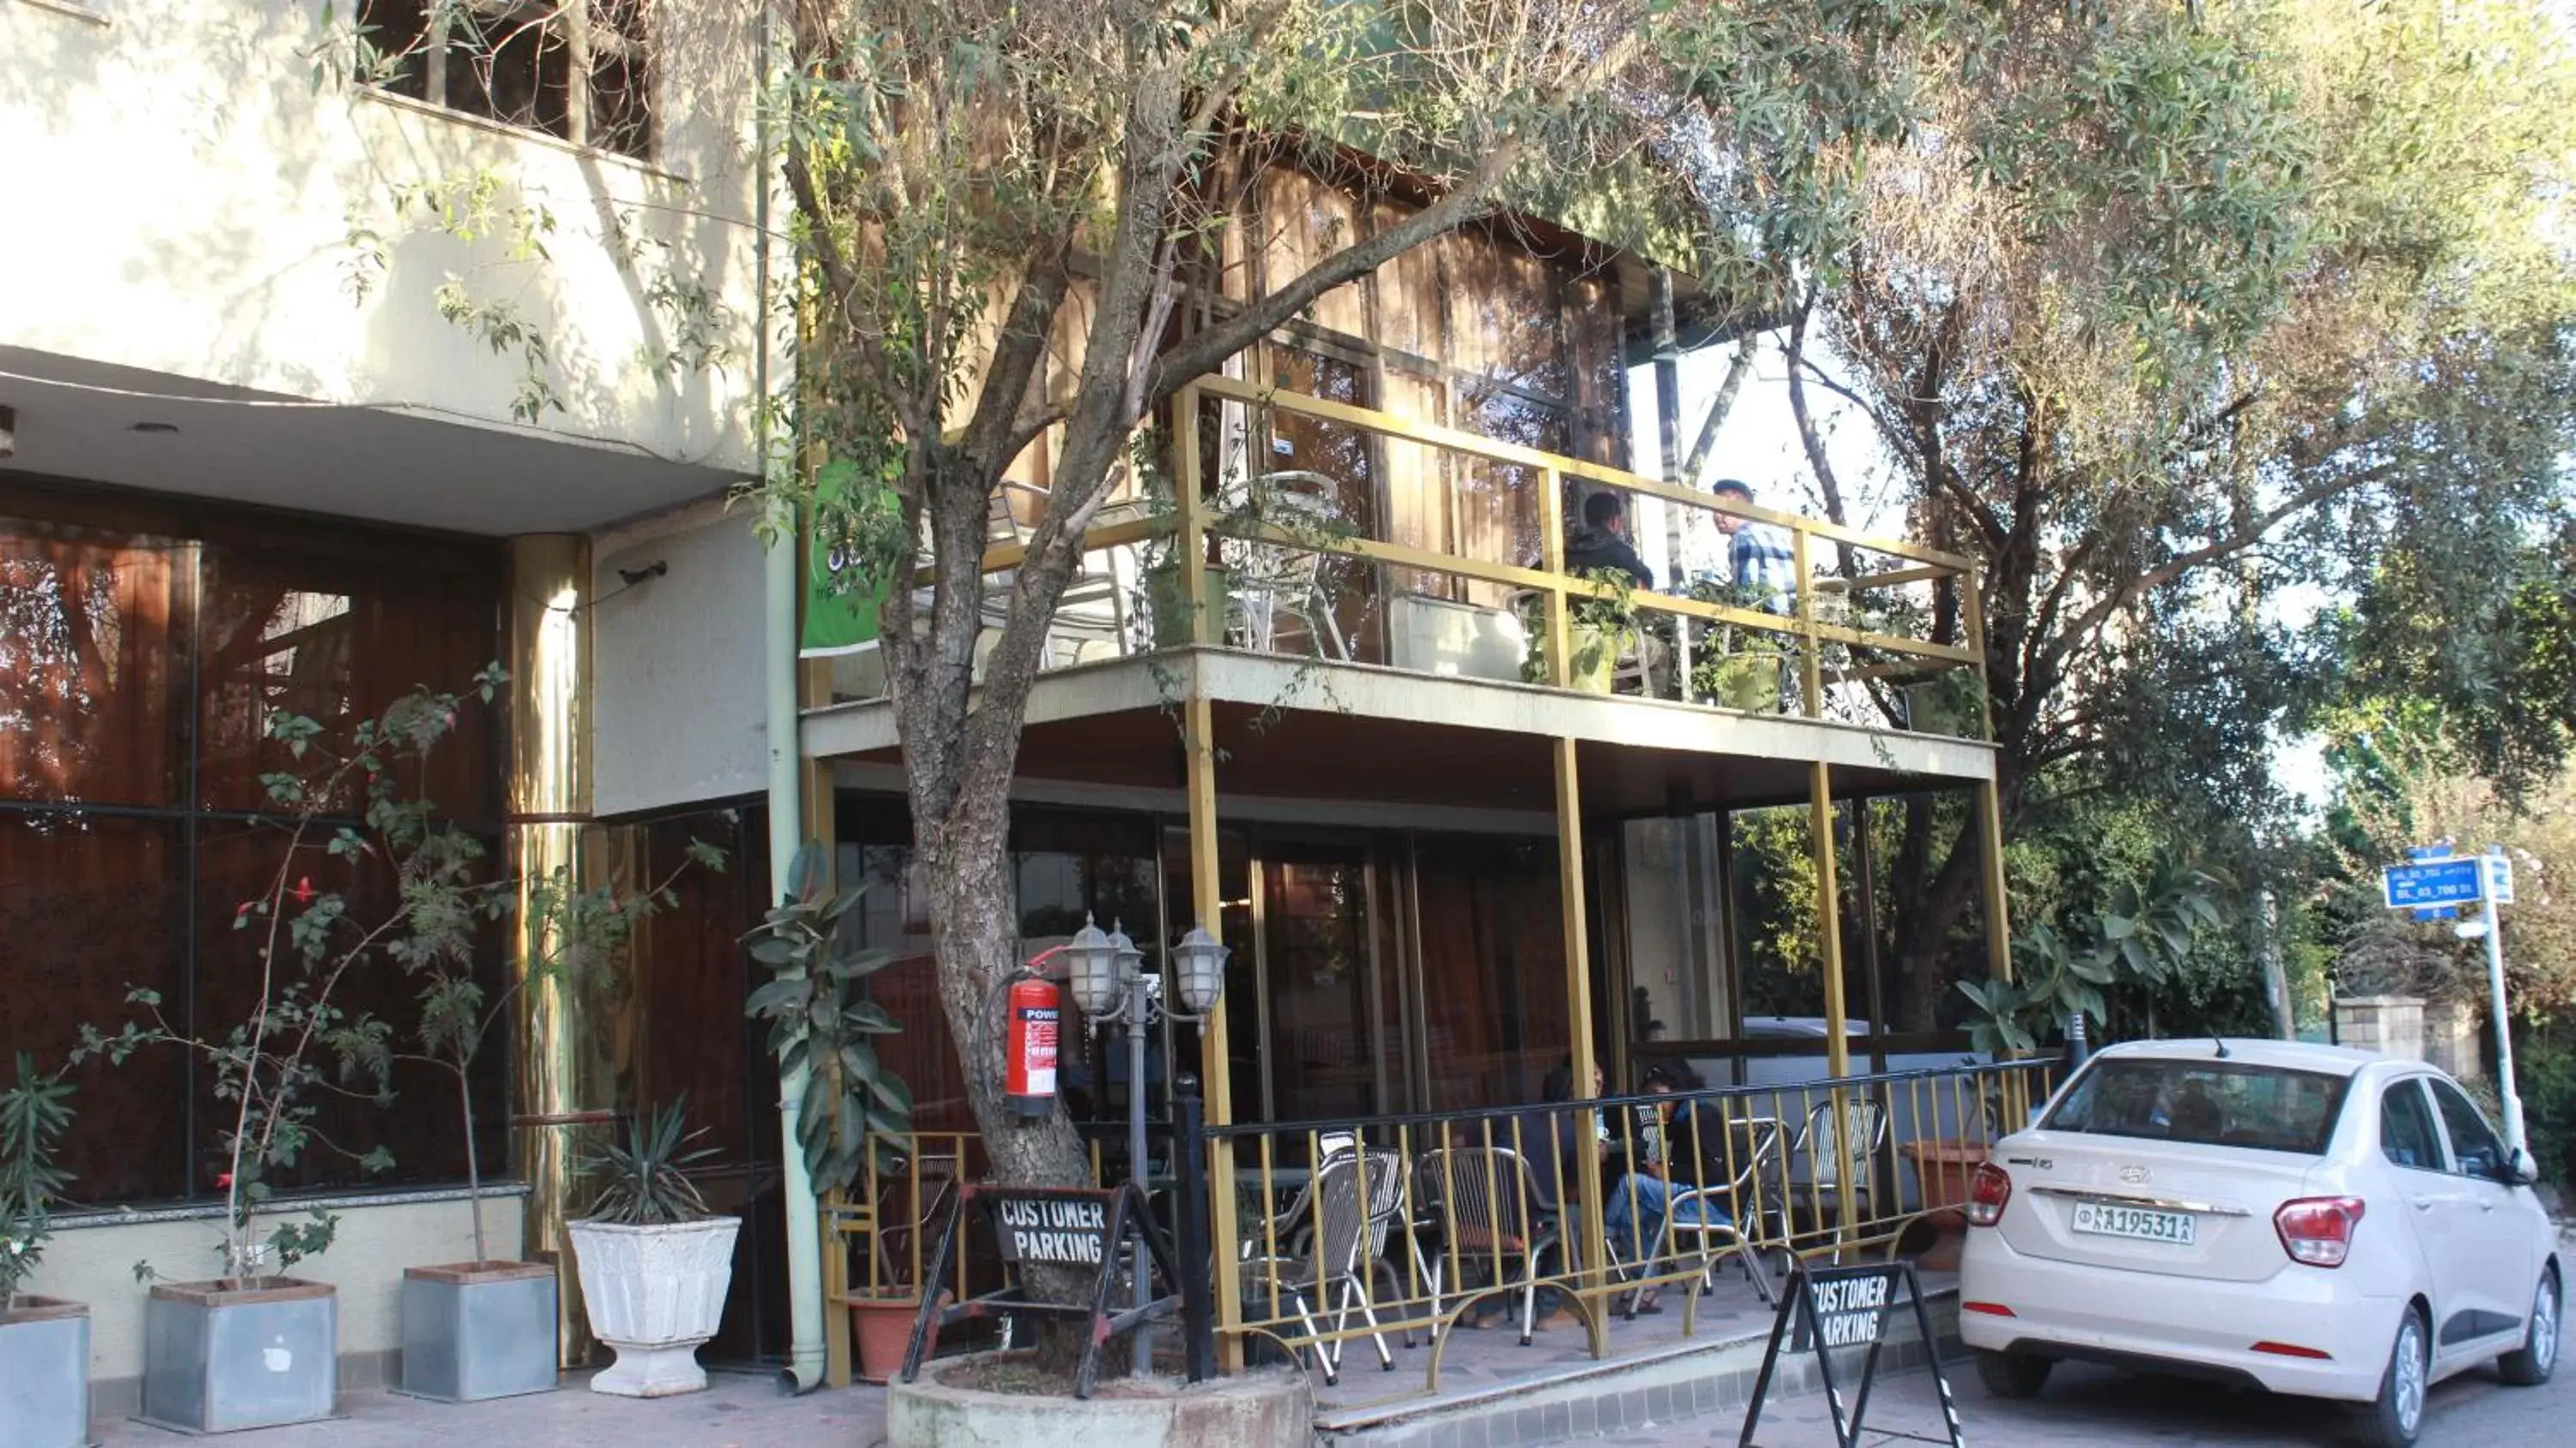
1635	1214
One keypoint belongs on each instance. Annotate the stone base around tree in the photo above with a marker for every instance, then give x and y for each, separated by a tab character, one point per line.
1258	1410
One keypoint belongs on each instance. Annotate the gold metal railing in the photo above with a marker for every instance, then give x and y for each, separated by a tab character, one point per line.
1826	652
1380	1236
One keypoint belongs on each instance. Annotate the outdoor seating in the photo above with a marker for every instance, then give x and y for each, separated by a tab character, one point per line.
1271	581
1492	1212
1334	1235
1816	1182
1725	1179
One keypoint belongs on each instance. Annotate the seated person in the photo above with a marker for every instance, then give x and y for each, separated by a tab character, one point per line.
1640	1191
1602	541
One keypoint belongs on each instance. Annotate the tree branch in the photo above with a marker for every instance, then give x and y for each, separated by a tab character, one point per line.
1718	409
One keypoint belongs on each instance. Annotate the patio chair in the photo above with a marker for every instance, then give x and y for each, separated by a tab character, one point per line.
1492	1211
1816	1182
1272	580
1334	1229
1731	1170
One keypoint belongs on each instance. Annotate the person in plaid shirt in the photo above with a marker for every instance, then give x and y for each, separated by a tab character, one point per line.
1765	567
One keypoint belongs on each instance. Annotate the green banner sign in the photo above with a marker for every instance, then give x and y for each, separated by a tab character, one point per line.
841	602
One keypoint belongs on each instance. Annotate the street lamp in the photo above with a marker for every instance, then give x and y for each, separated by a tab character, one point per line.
1110	986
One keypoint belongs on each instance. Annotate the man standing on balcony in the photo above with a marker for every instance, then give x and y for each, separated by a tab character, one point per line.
1766	568
1602	542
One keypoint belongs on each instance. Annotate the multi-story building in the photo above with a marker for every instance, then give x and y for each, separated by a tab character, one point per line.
299	419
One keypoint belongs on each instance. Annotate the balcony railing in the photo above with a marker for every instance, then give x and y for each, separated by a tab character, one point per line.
1307	527
1377	1239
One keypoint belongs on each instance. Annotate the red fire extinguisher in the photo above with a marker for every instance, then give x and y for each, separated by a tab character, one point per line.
1029	1074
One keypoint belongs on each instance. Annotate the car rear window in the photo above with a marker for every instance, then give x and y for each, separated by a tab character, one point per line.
2208	1103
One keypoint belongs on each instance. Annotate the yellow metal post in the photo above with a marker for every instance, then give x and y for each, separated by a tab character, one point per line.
1810	674
1578	994
1207	902
1829	920
1569	884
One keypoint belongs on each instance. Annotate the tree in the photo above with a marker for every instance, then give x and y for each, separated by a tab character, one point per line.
2158	310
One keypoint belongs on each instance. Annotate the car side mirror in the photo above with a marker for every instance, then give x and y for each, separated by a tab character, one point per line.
2519	1170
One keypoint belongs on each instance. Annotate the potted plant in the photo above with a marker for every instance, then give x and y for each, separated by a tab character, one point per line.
256	1346
823	1026
44	1342
486	1328
655	1263
1599	631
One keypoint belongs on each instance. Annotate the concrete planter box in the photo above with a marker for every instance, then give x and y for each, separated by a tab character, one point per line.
44	1374
654	1294
478	1330
223	1356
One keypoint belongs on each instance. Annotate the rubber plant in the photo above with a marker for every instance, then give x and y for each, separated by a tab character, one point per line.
2059	970
822	1023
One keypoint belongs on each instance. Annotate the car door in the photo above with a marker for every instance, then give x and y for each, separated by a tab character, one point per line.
2420	1171
2495	1266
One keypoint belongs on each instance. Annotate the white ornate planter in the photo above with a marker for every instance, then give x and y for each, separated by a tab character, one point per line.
654	1294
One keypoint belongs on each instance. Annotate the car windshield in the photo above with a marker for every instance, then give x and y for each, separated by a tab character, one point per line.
2208	1103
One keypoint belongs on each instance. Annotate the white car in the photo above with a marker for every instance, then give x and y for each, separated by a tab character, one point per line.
2307	1219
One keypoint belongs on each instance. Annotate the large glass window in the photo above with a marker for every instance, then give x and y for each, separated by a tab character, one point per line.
142	649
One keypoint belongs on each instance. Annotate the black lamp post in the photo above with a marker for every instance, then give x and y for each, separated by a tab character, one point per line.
1110	987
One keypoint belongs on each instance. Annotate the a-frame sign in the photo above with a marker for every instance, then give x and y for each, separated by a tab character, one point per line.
1826	1308
1082	1229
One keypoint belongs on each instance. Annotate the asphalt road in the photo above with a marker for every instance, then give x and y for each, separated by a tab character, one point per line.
2088	1405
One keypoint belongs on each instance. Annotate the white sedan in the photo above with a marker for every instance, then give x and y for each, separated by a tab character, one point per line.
2306	1219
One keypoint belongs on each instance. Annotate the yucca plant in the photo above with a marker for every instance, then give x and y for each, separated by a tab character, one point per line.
34	1115
645	1182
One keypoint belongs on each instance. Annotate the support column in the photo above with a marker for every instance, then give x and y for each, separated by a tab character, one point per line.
1990	851
1216	1066
1578	996
565	1087
1829	929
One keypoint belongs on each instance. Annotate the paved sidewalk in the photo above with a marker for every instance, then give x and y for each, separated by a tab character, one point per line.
734	1412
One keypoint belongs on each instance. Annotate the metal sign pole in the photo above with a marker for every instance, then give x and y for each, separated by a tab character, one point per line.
2503	1031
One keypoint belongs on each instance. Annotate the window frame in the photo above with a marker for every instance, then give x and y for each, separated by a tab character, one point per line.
583	29
2433	1087
2432	1117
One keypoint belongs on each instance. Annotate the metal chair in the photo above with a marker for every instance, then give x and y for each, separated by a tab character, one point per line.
1335	1229
1268	580
1492	1210
1821	1152
1730	1173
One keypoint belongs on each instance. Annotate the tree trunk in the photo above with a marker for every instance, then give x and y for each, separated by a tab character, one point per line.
976	940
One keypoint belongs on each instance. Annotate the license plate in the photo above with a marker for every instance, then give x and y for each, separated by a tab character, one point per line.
2101	1219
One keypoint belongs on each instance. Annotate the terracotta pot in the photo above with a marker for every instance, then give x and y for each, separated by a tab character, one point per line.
885	1331
1944	1169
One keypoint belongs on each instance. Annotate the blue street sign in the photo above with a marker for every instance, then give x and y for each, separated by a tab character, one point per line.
2430	883
2420	853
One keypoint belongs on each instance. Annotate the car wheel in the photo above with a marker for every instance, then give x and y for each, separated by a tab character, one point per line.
2012	1374
2394	1420
2530	1365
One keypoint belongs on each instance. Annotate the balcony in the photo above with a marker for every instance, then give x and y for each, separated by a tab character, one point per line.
1314	557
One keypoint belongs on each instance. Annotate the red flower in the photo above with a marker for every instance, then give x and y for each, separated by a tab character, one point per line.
224	1180
304	890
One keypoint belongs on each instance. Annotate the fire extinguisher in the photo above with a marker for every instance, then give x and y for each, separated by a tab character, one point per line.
1028	1080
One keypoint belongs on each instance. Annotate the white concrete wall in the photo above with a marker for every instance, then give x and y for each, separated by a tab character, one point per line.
180	199
95	1265
676	672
